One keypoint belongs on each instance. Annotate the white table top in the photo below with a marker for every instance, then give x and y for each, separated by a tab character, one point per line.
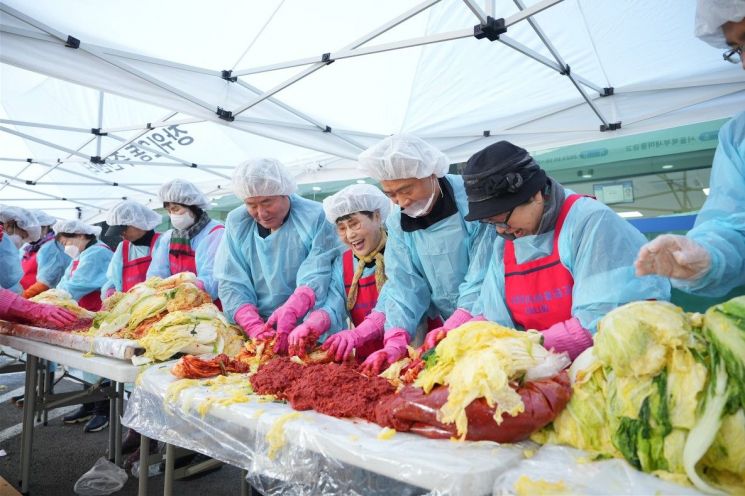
109	368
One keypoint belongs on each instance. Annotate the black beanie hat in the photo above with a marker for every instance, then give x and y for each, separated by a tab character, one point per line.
499	178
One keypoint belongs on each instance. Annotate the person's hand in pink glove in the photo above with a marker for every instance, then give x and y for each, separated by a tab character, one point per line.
247	317
285	318
342	344
306	334
394	349
568	336
38	314
434	336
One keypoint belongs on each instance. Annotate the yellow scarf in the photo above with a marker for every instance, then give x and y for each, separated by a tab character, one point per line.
377	255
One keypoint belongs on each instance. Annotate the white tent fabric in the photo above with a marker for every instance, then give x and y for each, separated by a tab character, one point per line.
137	102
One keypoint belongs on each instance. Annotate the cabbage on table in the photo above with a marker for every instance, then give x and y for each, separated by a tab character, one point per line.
665	390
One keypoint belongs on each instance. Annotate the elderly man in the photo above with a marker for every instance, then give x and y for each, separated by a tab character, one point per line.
429	248
710	259
563	260
275	261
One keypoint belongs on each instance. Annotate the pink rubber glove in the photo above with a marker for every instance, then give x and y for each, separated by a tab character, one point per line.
39	314
342	344
285	318
434	336
567	336
307	333
109	292
394	349
198	283
247	317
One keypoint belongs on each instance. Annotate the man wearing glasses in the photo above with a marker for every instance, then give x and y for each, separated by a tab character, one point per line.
561	260
710	259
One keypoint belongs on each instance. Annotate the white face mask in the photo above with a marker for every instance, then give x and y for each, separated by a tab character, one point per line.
72	251
16	239
420	208
182	221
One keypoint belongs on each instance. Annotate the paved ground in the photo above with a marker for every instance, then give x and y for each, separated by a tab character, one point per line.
62	453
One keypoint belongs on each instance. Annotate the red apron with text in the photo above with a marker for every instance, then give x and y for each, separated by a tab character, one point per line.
182	258
135	271
539	292
91	301
367	298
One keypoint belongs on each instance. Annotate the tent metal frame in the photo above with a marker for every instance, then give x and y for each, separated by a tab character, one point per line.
269	128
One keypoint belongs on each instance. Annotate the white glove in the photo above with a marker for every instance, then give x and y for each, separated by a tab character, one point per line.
670	255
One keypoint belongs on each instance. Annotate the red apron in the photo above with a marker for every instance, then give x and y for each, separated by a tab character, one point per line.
367	298
91	301
182	258
539	292
135	271
30	266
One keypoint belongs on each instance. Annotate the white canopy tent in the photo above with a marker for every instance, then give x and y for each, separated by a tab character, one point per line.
102	101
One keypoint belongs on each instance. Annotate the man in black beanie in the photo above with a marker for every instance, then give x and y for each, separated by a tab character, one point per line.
563	260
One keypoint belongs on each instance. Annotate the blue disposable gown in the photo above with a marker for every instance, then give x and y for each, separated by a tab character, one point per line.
91	272
265	271
52	262
114	272
426	269
598	247
720	225
10	265
204	244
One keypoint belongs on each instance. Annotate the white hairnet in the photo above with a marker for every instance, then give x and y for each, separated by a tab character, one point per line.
262	177
25	219
712	14
132	213
183	192
356	198
74	226
44	218
403	156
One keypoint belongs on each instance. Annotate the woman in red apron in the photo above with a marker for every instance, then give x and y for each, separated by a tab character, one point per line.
134	223
358	211
86	274
192	244
44	261
563	260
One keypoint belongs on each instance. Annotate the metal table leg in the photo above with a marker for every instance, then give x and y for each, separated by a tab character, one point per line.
112	420
118	424
144	465
29	401
246	489
170	461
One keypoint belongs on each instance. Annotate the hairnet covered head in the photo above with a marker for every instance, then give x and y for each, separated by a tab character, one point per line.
75	226
262	177
25	219
44	218
356	198
183	192
132	213
711	15
403	156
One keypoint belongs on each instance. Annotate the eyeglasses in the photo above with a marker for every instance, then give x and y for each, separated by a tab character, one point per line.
734	55
500	224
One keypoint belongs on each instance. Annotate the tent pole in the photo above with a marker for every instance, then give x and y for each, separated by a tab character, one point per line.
40	193
45	126
96	179
43	142
471	4
100	123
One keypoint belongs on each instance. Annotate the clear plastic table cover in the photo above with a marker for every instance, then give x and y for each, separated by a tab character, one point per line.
321	454
562	470
123	349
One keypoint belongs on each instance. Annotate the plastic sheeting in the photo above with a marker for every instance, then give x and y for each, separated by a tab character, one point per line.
561	470
123	349
322	454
